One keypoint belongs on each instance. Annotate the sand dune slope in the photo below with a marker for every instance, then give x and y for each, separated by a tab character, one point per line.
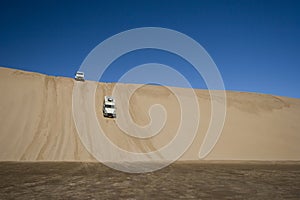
36	121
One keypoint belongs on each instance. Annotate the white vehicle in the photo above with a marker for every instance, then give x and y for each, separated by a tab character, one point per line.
109	107
79	76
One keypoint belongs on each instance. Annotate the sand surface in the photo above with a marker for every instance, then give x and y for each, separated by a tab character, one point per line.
36	121
68	180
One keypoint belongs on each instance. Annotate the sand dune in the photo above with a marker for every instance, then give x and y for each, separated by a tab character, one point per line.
36	121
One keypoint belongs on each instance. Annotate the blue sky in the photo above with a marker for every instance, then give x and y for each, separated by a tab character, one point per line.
255	44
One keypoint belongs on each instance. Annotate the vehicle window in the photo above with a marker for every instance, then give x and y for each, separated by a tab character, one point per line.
109	106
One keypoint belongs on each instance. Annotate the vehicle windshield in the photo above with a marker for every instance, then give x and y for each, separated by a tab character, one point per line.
109	106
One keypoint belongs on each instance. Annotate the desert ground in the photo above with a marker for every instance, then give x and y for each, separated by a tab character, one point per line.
42	153
67	180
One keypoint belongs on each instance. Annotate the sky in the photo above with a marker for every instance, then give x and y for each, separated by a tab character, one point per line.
255	44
